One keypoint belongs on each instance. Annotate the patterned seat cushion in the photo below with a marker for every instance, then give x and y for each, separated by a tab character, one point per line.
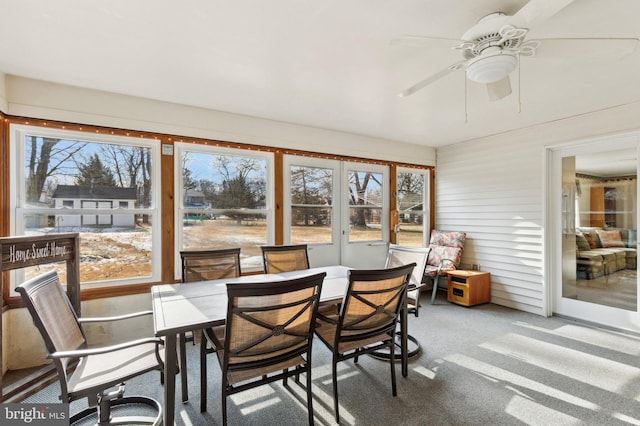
444	245
448	238
437	254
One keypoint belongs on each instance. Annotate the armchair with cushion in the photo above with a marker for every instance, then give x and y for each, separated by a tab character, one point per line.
446	248
97	374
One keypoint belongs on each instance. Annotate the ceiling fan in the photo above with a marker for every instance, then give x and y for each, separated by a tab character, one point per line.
491	49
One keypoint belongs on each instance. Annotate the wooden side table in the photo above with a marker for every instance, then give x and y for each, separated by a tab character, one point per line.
469	288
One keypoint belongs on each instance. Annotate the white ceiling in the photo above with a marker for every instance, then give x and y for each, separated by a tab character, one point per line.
328	64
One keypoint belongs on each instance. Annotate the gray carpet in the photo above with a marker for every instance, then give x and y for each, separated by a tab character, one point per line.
480	365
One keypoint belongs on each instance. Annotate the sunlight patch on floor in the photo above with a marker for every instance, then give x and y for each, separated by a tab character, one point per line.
342	376
429	374
534	414
586	368
251	394
518	381
625	418
608	339
260	405
324	409
521	384
186	420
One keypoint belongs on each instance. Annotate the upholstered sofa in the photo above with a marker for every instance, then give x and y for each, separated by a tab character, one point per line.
604	251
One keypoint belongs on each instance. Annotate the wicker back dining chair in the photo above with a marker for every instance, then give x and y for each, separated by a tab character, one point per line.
446	248
267	335
367	319
285	258
204	265
401	255
99	373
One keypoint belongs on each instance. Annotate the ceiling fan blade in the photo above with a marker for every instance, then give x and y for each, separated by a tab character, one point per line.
434	77
424	41
585	47
536	11
499	89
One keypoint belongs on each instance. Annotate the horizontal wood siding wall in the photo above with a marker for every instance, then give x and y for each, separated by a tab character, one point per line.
493	192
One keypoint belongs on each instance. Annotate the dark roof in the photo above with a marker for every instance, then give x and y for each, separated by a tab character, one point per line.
95	192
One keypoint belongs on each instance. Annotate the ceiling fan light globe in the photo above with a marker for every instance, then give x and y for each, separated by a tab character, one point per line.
492	68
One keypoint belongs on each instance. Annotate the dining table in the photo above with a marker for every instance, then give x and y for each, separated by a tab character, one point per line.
182	307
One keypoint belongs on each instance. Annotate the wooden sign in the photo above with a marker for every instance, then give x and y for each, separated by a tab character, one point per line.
35	251
32	250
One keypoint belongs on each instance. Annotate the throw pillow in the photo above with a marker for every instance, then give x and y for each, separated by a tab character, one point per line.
582	242
590	241
610	238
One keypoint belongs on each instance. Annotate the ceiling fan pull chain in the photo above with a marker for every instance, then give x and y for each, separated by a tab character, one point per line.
519	76
465	98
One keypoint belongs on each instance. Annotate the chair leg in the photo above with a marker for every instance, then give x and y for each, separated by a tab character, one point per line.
309	396
203	373
393	367
224	407
435	288
183	367
335	389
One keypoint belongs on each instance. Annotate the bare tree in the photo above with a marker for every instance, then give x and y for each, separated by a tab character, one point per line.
237	188
45	160
359	183
311	186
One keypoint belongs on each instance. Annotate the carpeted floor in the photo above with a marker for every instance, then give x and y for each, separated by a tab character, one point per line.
478	366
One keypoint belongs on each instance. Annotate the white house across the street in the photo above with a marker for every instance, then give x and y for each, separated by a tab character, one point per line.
92	198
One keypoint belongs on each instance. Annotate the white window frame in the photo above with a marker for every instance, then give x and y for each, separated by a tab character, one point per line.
179	210
364	253
18	210
426	206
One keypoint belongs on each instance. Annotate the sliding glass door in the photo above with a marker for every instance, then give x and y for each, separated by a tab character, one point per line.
595	204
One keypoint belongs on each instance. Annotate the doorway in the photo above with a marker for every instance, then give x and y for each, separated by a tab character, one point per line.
339	209
594	218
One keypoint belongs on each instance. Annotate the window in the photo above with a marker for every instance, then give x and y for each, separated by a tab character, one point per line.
413	201
225	201
311	204
68	181
365	206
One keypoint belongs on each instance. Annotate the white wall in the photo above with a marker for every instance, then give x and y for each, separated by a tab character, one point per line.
493	188
3	93
38	99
